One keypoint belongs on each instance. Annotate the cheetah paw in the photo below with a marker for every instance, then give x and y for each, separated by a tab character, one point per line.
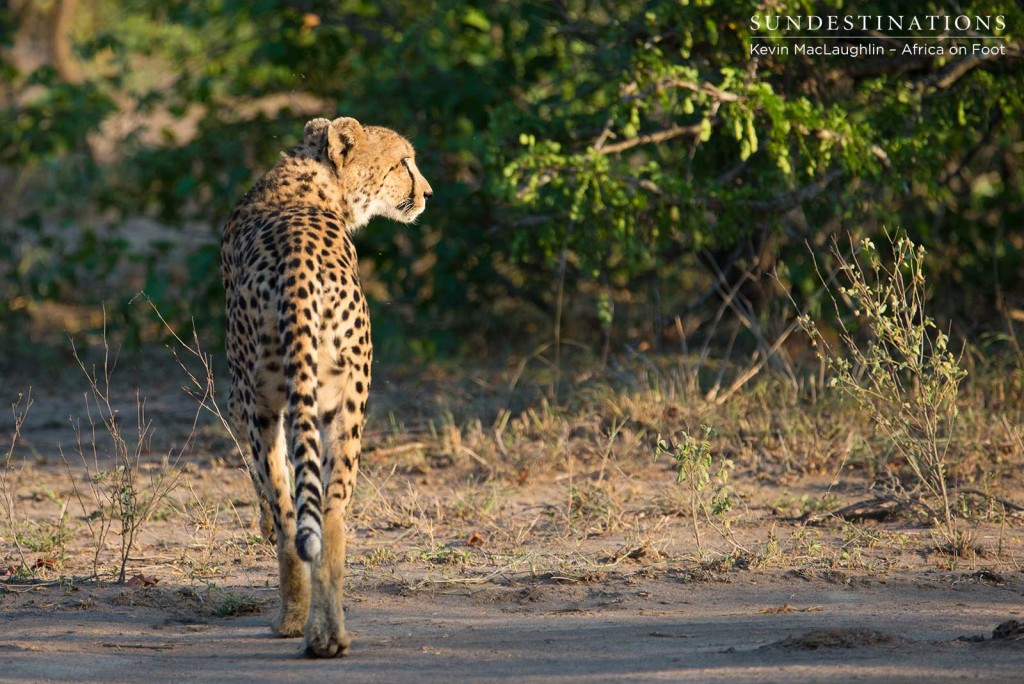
328	645
289	626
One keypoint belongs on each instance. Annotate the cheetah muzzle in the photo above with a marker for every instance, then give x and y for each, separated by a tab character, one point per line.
298	343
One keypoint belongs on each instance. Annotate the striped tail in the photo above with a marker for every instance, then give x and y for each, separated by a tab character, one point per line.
300	333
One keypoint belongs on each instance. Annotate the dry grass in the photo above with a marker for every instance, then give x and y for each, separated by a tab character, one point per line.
472	477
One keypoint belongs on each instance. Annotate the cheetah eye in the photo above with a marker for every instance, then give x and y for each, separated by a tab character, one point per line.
410	199
408	168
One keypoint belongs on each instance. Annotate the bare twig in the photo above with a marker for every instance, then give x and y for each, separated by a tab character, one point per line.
647	138
631	92
782	202
955	70
991	497
202	390
877	151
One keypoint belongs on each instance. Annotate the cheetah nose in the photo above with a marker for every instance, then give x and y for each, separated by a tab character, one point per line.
427	194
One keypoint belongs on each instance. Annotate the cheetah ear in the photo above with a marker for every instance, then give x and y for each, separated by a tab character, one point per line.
343	134
316	127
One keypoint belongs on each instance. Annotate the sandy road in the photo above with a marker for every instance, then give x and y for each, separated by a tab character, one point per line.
759	628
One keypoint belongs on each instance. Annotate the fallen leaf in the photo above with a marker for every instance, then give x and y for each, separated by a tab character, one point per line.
522	475
141	580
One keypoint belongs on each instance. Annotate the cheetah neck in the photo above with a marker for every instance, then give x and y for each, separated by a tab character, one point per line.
305	182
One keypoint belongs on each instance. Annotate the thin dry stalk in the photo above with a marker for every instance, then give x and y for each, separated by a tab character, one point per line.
769	352
6	486
115	480
559	300
96	520
201	388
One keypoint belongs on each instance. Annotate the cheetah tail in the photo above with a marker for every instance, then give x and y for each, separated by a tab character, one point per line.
300	332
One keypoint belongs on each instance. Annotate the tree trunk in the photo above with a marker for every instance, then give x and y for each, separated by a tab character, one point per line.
61	25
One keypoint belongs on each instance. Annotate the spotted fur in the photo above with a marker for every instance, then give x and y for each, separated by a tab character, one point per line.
298	343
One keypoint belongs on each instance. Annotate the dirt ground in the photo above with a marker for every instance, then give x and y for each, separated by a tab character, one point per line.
496	538
769	627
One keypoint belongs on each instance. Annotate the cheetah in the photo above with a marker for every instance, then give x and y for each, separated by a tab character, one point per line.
298	345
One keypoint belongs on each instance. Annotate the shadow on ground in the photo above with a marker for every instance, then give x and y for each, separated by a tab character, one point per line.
755	629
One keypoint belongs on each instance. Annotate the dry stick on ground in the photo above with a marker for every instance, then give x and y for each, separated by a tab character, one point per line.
990	497
875	508
879	508
382	452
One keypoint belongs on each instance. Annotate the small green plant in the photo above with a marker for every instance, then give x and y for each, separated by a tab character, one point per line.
904	376
770	554
809	542
475	501
806	505
44	536
594	505
445	555
705	478
234	605
381	555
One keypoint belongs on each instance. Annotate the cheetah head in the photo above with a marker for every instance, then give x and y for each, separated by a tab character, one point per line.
375	167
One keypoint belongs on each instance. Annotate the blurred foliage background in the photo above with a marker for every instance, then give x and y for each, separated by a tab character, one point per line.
610	173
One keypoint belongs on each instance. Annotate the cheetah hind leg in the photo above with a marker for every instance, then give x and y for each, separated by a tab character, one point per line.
268	440
267	529
325	630
240	428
